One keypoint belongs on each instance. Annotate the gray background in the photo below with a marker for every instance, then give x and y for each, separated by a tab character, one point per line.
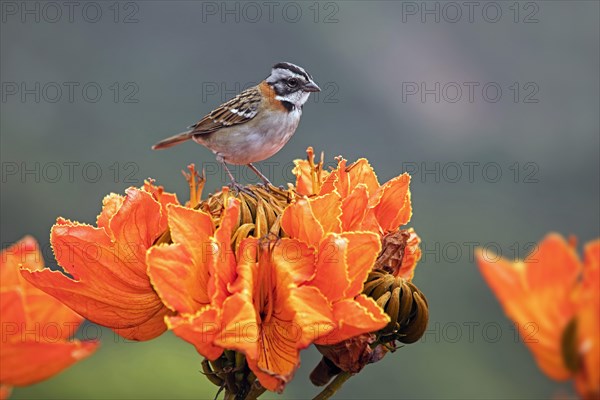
169	57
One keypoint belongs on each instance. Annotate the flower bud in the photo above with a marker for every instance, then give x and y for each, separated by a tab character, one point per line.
404	303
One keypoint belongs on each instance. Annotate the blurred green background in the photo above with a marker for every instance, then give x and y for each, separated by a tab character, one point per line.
508	162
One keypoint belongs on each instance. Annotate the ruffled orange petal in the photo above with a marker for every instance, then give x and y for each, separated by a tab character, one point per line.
278	355
240	326
223	262
331	274
180	272
199	329
354	208
361	172
363	249
193	229
180	283
162	197
314	314
392	203
304	181
354	317
296	258
110	285
110	205
299	222
327	209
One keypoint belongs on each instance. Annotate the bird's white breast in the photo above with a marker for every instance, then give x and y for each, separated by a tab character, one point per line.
255	140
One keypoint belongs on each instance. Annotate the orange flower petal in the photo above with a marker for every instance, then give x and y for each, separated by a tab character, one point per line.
35	325
304	182
363	249
180	283
296	258
200	330
41	307
150	329
330	183
180	272
327	209
587	379
361	172
299	222
162	197
193	229
354	208
110	205
314	314
342	183
392	203
331	275
28	362
354	317
536	301
553	265
591	269
278	355
25	251
110	285
240	326
223	266
12	314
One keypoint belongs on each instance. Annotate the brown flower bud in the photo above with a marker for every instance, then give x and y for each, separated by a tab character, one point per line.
403	302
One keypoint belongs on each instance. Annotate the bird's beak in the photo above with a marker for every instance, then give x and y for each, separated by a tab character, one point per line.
311	87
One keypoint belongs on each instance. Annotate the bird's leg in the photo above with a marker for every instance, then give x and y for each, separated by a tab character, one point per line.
234	184
260	175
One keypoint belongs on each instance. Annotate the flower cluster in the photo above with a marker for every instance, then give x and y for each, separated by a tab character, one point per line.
250	278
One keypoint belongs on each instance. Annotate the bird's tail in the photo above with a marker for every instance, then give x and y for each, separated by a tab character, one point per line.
173	140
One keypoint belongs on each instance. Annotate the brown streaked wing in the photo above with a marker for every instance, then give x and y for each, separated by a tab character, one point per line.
240	109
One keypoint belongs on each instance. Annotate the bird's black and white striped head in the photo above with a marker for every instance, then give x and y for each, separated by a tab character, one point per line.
292	84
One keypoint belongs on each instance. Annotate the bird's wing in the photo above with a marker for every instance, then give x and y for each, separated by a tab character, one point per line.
242	108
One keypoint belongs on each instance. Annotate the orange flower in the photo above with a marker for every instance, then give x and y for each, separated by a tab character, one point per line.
35	326
344	260
107	263
250	301
365	204
350	198
553	294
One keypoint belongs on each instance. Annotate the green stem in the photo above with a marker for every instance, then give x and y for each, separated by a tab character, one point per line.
334	386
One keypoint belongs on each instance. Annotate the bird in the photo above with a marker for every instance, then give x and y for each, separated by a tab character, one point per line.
256	123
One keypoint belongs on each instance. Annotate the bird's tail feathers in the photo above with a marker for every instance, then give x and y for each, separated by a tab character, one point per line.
173	140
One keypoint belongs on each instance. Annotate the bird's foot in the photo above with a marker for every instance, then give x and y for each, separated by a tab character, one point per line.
240	188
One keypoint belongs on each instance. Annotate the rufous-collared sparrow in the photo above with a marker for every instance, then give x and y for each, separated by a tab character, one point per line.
256	123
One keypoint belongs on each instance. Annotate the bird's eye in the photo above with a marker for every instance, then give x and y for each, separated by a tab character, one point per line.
292	82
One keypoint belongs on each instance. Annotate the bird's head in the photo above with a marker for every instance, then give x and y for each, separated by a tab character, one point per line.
291	83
